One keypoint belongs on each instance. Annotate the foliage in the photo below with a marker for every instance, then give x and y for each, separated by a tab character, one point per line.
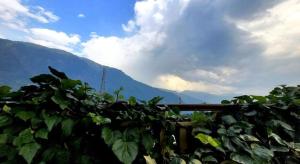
265	130
65	121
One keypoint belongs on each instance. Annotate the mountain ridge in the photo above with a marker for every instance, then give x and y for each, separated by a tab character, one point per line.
21	60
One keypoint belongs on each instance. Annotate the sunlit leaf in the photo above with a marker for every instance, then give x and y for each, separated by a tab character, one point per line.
206	139
28	151
125	151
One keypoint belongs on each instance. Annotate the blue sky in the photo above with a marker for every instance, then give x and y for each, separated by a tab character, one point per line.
100	16
213	46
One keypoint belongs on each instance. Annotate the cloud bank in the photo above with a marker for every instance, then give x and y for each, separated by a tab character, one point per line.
207	45
16	19
214	46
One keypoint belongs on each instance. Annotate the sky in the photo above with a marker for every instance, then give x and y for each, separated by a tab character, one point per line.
213	46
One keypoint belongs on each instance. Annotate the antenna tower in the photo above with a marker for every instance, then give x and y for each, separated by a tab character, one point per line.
180	99
102	85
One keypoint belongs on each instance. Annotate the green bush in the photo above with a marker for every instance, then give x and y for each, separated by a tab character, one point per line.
65	121
265	130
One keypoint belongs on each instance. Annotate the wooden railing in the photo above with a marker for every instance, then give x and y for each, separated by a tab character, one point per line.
203	107
184	128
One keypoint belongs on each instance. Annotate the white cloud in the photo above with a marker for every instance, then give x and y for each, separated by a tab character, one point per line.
176	83
130	27
81	15
11	10
278	30
124	53
2	36
42	15
211	46
152	19
214	75
15	19
54	39
120	52
16	25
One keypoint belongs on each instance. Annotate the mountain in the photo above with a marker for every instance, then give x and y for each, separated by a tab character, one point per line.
20	60
209	98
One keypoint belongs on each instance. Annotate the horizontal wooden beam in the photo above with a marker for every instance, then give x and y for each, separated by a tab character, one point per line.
203	107
181	107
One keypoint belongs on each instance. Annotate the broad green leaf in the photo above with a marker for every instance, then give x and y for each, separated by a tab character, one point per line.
241	144
297	101
277	139
296	146
58	99
62	156
221	131
243	159
108	97
70	96
132	101
49	153
110	136
177	160
282	124
201	130
148	142
131	134
225	102
199	118
228	119
4	90
85	159
3	138
98	119
36	123
118	95
69	84
28	151
247	137
42	133
125	151
67	126
25	115
262	152
57	73
244	99
149	160
227	143
260	99
279	148
195	161
51	121
154	101
251	113
8	151
206	139
5	120
24	137
234	129
209	159
6	109
88	102
43	78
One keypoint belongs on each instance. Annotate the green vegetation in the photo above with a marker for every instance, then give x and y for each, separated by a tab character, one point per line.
65	121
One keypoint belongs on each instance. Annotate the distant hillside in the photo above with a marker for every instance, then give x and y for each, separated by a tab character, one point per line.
208	98
20	60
